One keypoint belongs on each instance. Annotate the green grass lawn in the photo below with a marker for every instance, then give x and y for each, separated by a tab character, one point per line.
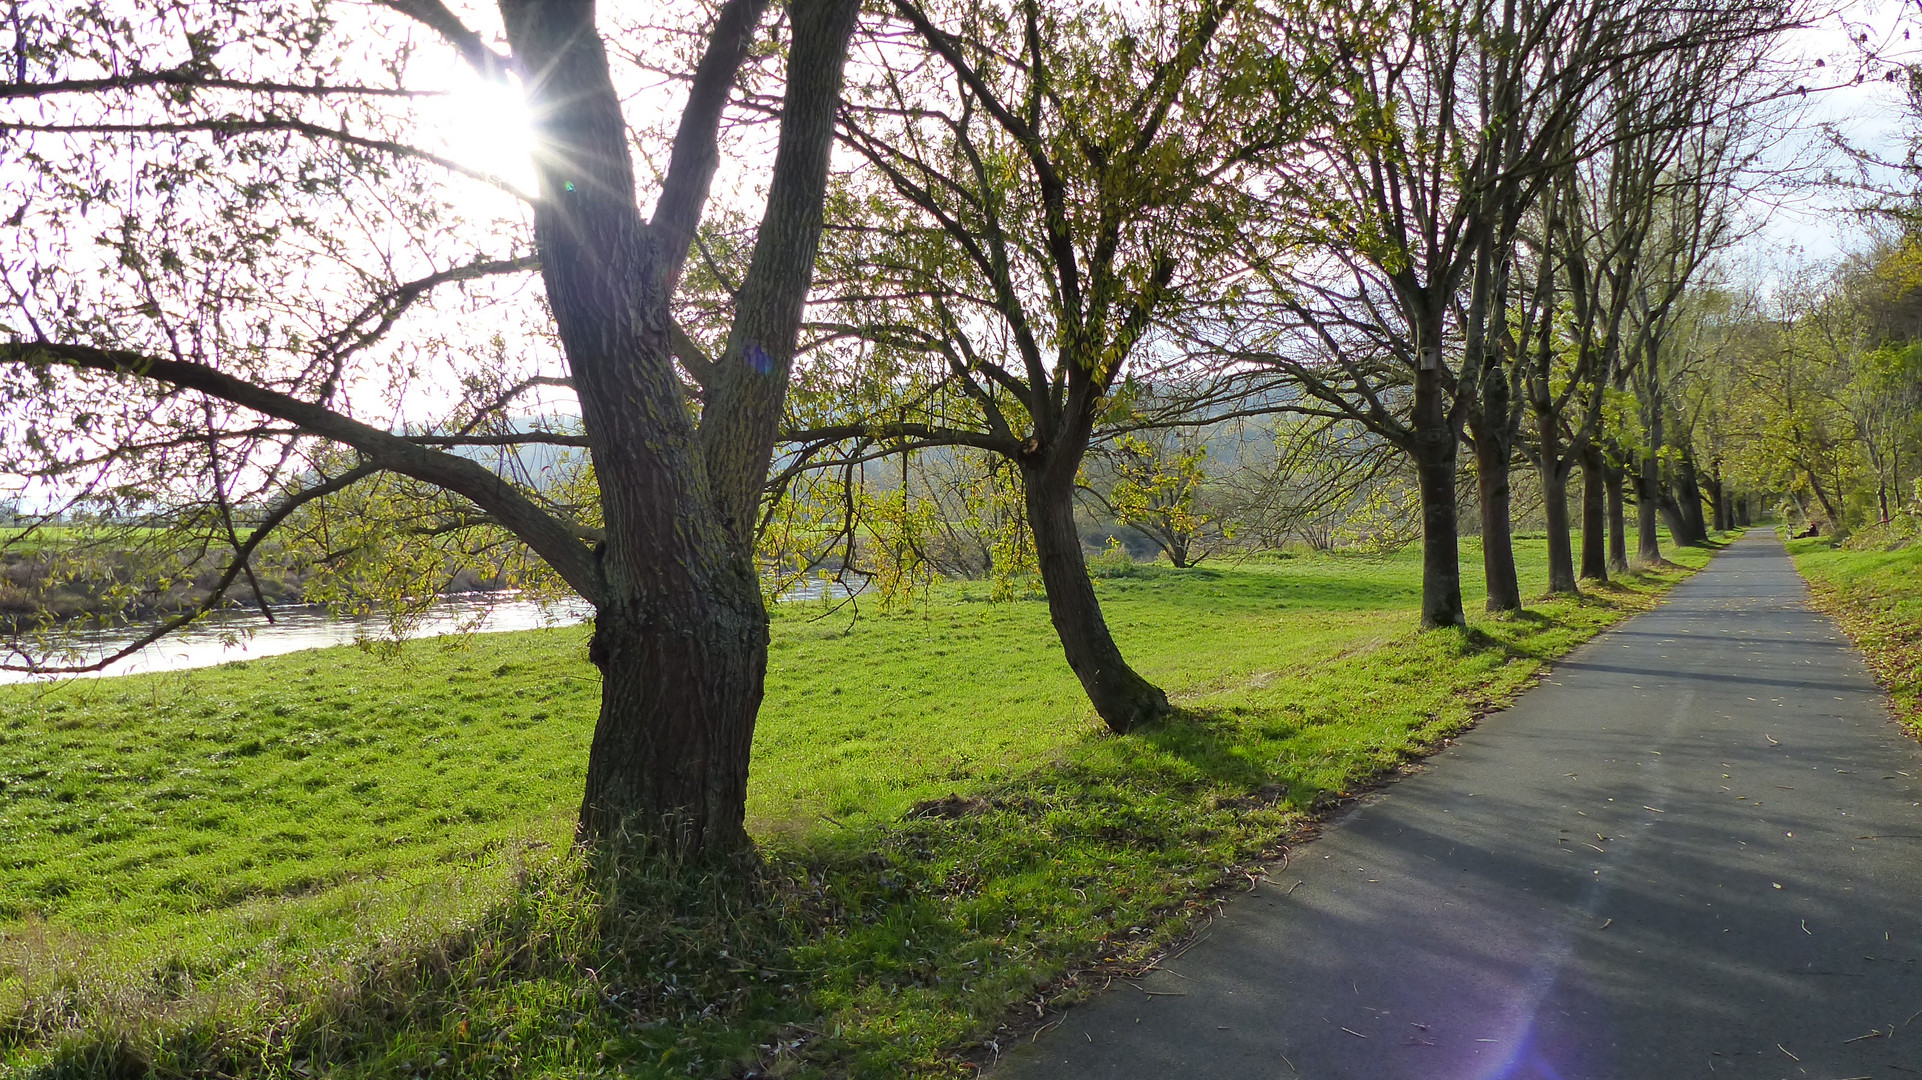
338	863
1876	596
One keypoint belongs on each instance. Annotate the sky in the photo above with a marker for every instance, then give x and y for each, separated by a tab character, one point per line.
1800	223
1797	226
1809	224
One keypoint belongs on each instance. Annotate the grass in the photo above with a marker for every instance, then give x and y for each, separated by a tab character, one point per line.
1876	596
340	864
30	539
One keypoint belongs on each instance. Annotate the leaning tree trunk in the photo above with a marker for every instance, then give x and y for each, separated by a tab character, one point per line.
1828	506
1594	515
1498	539
1675	516
1434	447
1123	698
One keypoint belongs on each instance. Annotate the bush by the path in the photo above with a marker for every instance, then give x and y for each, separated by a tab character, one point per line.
337	864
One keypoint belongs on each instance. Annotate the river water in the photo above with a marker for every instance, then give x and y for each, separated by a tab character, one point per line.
246	634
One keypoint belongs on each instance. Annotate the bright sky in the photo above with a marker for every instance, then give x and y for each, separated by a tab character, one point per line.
1809	223
1804	223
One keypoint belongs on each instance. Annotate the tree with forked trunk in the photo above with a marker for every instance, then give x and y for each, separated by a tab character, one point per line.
269	160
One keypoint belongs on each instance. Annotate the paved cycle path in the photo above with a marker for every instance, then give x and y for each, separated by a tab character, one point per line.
1694	851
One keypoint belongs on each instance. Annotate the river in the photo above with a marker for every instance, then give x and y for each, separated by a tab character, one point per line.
246	634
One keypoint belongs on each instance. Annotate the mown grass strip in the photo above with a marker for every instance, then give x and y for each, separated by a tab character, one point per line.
1876	597
327	864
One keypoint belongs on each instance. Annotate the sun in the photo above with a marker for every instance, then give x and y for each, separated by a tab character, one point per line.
486	127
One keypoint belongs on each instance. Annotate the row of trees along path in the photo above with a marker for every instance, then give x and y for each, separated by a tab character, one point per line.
252	271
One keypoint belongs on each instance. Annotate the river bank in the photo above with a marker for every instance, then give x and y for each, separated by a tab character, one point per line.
113	584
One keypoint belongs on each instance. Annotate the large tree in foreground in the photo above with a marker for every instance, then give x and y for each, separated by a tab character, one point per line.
226	155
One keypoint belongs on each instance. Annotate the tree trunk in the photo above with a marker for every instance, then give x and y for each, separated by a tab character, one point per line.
1742	517
1617	520
1828	505
680	629
1561	557
1688	504
1123	698
1594	515
681	684
1691	499
1498	541
1648	501
1717	503
1434	448
1675	517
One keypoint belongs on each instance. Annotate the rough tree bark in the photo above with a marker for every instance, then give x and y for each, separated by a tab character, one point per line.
1648	503
680	630
1717	493
1561	555
1433	443
1688	496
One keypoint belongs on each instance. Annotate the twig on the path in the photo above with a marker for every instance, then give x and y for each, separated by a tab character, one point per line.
1787	1051
1870	1035
1355	1033
1606	923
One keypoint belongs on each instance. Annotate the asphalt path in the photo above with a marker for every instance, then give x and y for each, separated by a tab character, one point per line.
1694	851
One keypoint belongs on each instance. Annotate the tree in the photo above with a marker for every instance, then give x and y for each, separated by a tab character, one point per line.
1155	488
1053	182
271	168
1451	117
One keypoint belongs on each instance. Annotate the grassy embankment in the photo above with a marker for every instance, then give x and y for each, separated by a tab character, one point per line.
1876	596
334	864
